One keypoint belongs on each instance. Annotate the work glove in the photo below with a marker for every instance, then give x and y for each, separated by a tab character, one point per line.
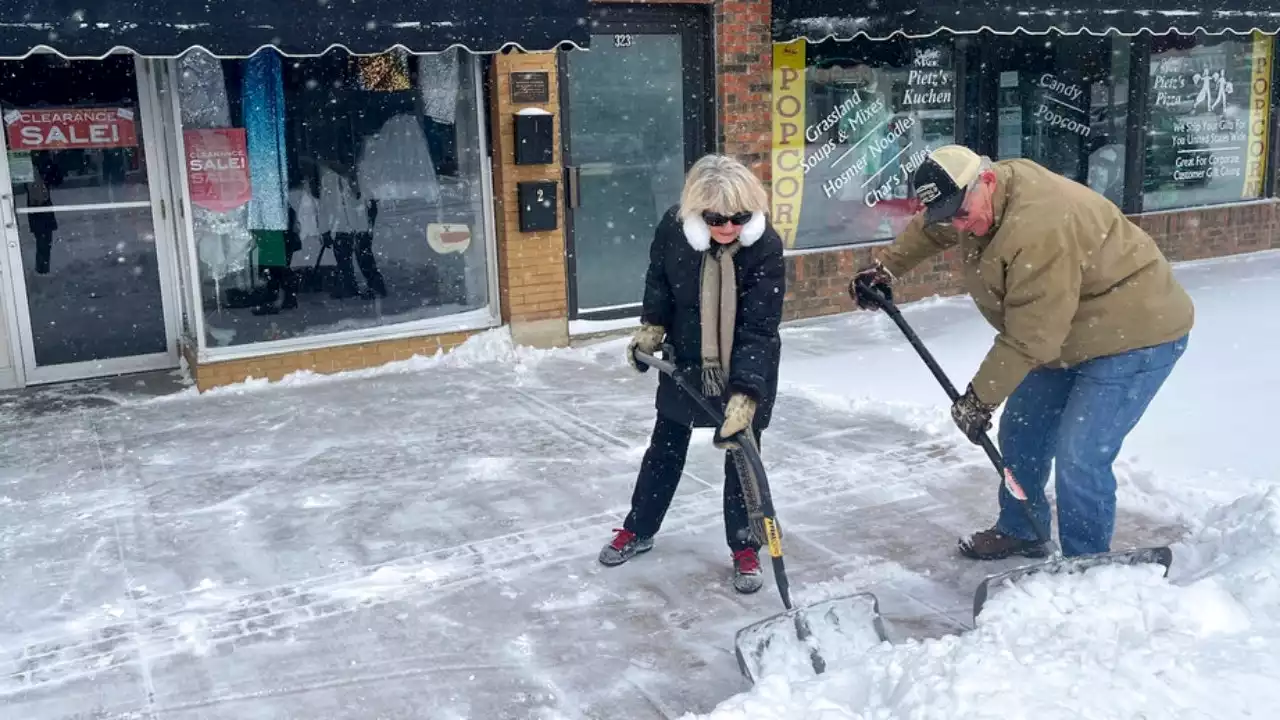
647	340
875	275
738	414
972	416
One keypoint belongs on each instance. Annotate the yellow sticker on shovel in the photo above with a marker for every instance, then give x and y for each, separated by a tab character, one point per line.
775	540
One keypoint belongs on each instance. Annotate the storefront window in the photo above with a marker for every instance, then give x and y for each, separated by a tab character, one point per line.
852	120
1062	102
333	193
1209	105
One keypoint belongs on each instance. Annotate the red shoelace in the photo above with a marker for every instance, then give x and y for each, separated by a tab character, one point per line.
622	538
746	560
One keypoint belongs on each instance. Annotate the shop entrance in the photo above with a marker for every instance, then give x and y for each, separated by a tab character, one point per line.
84	273
637	112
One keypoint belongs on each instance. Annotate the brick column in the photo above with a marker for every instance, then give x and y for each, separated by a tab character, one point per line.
744	72
531	266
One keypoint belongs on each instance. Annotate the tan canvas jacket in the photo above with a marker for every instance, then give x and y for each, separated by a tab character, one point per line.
1063	276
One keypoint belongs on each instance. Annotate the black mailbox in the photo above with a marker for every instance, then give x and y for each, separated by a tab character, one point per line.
535	137
537	205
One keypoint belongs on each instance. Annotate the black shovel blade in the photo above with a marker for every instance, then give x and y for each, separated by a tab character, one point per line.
809	639
1069	566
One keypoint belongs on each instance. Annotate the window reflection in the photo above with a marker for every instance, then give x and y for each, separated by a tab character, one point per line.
1208	108
1064	104
77	164
333	193
863	118
93	286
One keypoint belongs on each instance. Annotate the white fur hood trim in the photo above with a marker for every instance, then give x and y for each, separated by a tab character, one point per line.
699	235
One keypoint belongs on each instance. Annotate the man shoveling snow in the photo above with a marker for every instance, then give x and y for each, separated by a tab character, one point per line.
1090	323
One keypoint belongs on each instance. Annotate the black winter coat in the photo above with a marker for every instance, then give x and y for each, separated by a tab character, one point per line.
672	299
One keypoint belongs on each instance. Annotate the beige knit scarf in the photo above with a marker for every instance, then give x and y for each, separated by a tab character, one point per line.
719	308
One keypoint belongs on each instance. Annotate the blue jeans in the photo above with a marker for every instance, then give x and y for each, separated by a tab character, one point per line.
1077	417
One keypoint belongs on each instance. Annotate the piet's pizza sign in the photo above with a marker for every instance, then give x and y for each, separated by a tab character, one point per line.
71	129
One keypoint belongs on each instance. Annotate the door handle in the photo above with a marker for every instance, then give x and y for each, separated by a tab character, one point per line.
6	207
573	186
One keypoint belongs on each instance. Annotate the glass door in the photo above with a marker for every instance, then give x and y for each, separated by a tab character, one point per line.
79	215
637	112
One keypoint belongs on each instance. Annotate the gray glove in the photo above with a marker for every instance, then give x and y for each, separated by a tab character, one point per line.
647	340
972	416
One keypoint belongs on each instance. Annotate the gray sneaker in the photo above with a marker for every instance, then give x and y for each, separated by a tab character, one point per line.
625	545
747	577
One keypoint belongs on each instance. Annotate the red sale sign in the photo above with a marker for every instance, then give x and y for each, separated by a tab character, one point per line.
71	129
218	168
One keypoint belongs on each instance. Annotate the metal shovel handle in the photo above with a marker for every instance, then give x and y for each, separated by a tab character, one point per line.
745	449
984	440
668	368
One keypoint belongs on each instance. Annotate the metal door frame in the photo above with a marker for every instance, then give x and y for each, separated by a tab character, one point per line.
14	283
693	24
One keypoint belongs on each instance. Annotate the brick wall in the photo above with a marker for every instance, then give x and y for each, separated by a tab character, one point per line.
531	266
744	68
818	282
1214	232
323	360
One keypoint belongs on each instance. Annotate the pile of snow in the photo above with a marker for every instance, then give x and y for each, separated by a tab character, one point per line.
491	347
1114	642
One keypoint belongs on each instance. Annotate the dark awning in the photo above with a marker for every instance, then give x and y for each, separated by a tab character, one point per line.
817	20
238	28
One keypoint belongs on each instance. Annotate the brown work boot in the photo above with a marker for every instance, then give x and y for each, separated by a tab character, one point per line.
992	544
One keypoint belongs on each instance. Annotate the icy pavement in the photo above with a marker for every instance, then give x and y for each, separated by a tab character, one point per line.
421	542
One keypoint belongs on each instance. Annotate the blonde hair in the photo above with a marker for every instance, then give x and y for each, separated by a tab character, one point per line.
721	184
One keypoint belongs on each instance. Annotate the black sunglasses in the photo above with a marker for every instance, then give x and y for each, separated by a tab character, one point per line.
716	219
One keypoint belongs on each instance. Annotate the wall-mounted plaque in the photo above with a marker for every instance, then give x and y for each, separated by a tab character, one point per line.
530	87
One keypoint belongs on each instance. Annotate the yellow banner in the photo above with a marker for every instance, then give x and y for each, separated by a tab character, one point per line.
788	138
1255	167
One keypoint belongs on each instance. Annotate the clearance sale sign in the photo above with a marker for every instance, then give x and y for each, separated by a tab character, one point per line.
218	168
71	129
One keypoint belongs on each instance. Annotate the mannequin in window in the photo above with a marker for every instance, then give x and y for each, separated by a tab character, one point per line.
284	277
347	221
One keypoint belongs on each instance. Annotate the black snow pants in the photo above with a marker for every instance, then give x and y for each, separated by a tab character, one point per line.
659	476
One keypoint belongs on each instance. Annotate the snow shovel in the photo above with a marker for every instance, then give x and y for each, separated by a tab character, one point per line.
1055	565
788	639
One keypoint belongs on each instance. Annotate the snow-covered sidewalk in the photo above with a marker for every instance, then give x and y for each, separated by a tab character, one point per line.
420	541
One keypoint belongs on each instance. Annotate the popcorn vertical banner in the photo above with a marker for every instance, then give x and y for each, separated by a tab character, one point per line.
1259	117
788	138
